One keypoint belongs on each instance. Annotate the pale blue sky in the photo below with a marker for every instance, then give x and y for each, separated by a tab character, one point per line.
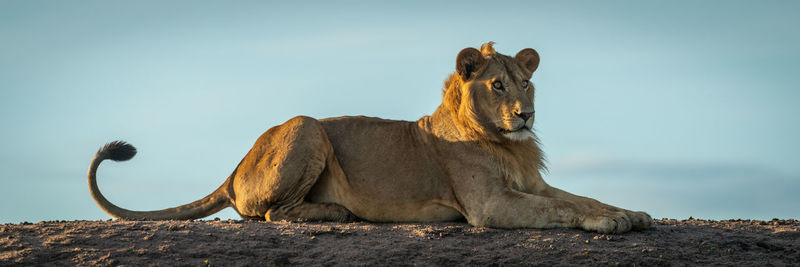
678	108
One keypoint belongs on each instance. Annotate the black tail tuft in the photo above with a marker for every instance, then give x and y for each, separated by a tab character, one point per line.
117	151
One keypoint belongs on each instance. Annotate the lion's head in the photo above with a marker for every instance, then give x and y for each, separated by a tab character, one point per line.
491	95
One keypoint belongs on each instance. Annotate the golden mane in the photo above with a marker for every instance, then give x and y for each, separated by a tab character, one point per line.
487	49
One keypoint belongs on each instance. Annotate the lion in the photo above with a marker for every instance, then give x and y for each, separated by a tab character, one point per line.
476	158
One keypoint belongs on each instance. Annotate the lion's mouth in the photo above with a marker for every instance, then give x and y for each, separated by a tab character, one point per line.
518	129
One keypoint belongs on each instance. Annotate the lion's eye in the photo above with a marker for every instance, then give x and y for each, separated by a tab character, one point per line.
525	84
498	85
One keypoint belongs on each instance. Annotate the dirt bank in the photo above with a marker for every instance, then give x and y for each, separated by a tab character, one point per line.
730	242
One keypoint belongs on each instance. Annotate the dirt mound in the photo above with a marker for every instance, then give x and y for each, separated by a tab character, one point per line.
730	242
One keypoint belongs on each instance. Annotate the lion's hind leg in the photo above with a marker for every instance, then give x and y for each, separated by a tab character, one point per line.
307	211
281	169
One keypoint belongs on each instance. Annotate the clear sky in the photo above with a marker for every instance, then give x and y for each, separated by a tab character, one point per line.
678	108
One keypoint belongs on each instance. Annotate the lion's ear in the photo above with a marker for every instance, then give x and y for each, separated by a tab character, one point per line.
469	62
528	59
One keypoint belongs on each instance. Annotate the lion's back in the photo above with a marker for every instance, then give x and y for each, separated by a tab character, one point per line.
384	154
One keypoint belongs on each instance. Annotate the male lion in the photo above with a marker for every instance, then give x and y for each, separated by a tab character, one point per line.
475	158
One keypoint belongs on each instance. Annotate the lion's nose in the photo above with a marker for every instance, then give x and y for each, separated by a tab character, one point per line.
525	115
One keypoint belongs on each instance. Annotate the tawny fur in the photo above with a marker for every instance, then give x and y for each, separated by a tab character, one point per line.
475	158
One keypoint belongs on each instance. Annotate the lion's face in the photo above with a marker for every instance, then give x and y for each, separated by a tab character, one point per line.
497	91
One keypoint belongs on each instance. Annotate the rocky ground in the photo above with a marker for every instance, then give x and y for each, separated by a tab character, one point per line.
233	243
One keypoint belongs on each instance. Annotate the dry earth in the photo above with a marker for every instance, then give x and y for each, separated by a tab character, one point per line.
235	243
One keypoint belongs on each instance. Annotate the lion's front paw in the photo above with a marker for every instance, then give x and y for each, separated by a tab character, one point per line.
640	220
609	223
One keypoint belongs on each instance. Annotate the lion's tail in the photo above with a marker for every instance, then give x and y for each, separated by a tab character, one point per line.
121	151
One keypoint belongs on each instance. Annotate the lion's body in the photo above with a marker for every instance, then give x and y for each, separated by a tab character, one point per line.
355	163
410	188
474	158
